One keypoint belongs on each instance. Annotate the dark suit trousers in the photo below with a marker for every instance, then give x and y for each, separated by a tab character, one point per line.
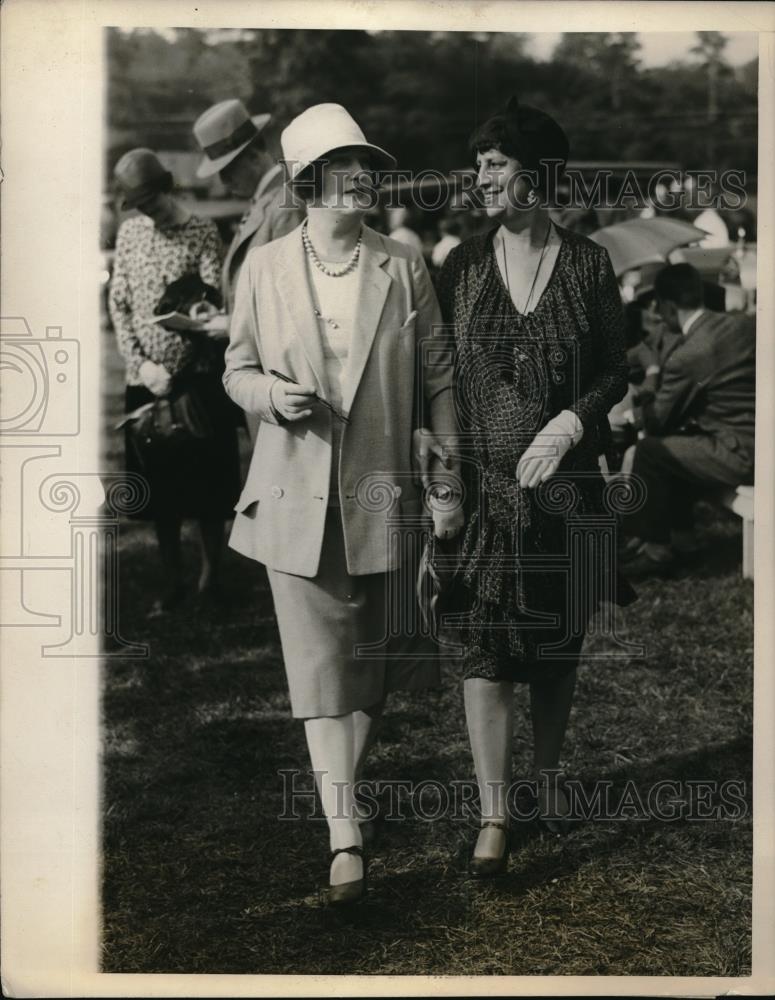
675	471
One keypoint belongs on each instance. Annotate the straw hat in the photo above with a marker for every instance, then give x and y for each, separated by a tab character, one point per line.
321	129
223	131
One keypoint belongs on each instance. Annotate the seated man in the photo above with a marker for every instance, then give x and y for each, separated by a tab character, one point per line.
700	420
647	356
649	342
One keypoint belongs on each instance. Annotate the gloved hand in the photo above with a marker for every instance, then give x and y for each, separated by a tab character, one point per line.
427	449
447	509
445	498
548	448
155	377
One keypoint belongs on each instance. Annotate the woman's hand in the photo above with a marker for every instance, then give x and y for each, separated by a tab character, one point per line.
216	326
448	524
446	506
202	310
290	400
155	377
548	448
425	447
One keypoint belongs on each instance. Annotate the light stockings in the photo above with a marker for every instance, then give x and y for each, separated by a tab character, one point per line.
338	747
490	718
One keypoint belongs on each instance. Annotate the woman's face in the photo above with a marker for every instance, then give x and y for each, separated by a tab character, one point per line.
160	209
347	182
504	192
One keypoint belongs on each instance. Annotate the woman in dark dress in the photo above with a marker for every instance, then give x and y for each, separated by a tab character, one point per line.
160	245
541	360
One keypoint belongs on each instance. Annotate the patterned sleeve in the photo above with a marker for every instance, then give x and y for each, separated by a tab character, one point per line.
120	301
608	383
211	256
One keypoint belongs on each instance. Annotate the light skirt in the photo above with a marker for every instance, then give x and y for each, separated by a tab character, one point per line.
349	640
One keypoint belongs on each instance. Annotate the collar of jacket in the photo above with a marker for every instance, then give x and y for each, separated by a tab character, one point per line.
253	217
293	283
691	321
266	180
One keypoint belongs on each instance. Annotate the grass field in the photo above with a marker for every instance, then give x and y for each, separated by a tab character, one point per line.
200	876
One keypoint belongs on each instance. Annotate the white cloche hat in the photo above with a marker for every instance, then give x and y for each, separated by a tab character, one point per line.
321	129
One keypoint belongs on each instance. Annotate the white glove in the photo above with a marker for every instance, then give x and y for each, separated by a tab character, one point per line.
548	448
155	377
448	519
427	448
445	500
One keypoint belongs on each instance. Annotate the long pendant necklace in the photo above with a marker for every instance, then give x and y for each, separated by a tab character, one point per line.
332	273
524	312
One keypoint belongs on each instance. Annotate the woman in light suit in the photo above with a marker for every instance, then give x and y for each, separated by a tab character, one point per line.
336	312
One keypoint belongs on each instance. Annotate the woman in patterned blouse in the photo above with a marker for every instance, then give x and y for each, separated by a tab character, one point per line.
156	247
538	327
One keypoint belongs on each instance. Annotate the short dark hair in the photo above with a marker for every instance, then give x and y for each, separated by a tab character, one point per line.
493	134
529	135
680	284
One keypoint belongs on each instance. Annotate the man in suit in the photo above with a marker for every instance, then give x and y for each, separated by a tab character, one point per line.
700	421
234	147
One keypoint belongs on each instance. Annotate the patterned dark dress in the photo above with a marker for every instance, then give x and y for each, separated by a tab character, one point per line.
203	481
535	564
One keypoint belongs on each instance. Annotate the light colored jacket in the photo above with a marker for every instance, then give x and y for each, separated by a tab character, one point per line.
399	349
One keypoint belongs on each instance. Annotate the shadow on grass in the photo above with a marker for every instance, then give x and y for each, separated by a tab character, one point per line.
201	876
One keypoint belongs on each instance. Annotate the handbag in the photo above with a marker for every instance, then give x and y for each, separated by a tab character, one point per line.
168	424
440	590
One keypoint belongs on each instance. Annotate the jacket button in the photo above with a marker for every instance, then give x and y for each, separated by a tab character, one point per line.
277	492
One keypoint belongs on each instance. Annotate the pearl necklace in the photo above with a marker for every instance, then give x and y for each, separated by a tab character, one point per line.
312	254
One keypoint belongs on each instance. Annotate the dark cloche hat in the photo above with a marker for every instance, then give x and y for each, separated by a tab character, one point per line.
140	176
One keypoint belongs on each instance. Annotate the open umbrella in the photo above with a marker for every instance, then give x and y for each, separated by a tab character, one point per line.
637	242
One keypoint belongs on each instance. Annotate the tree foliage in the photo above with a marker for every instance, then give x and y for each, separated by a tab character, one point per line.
420	94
